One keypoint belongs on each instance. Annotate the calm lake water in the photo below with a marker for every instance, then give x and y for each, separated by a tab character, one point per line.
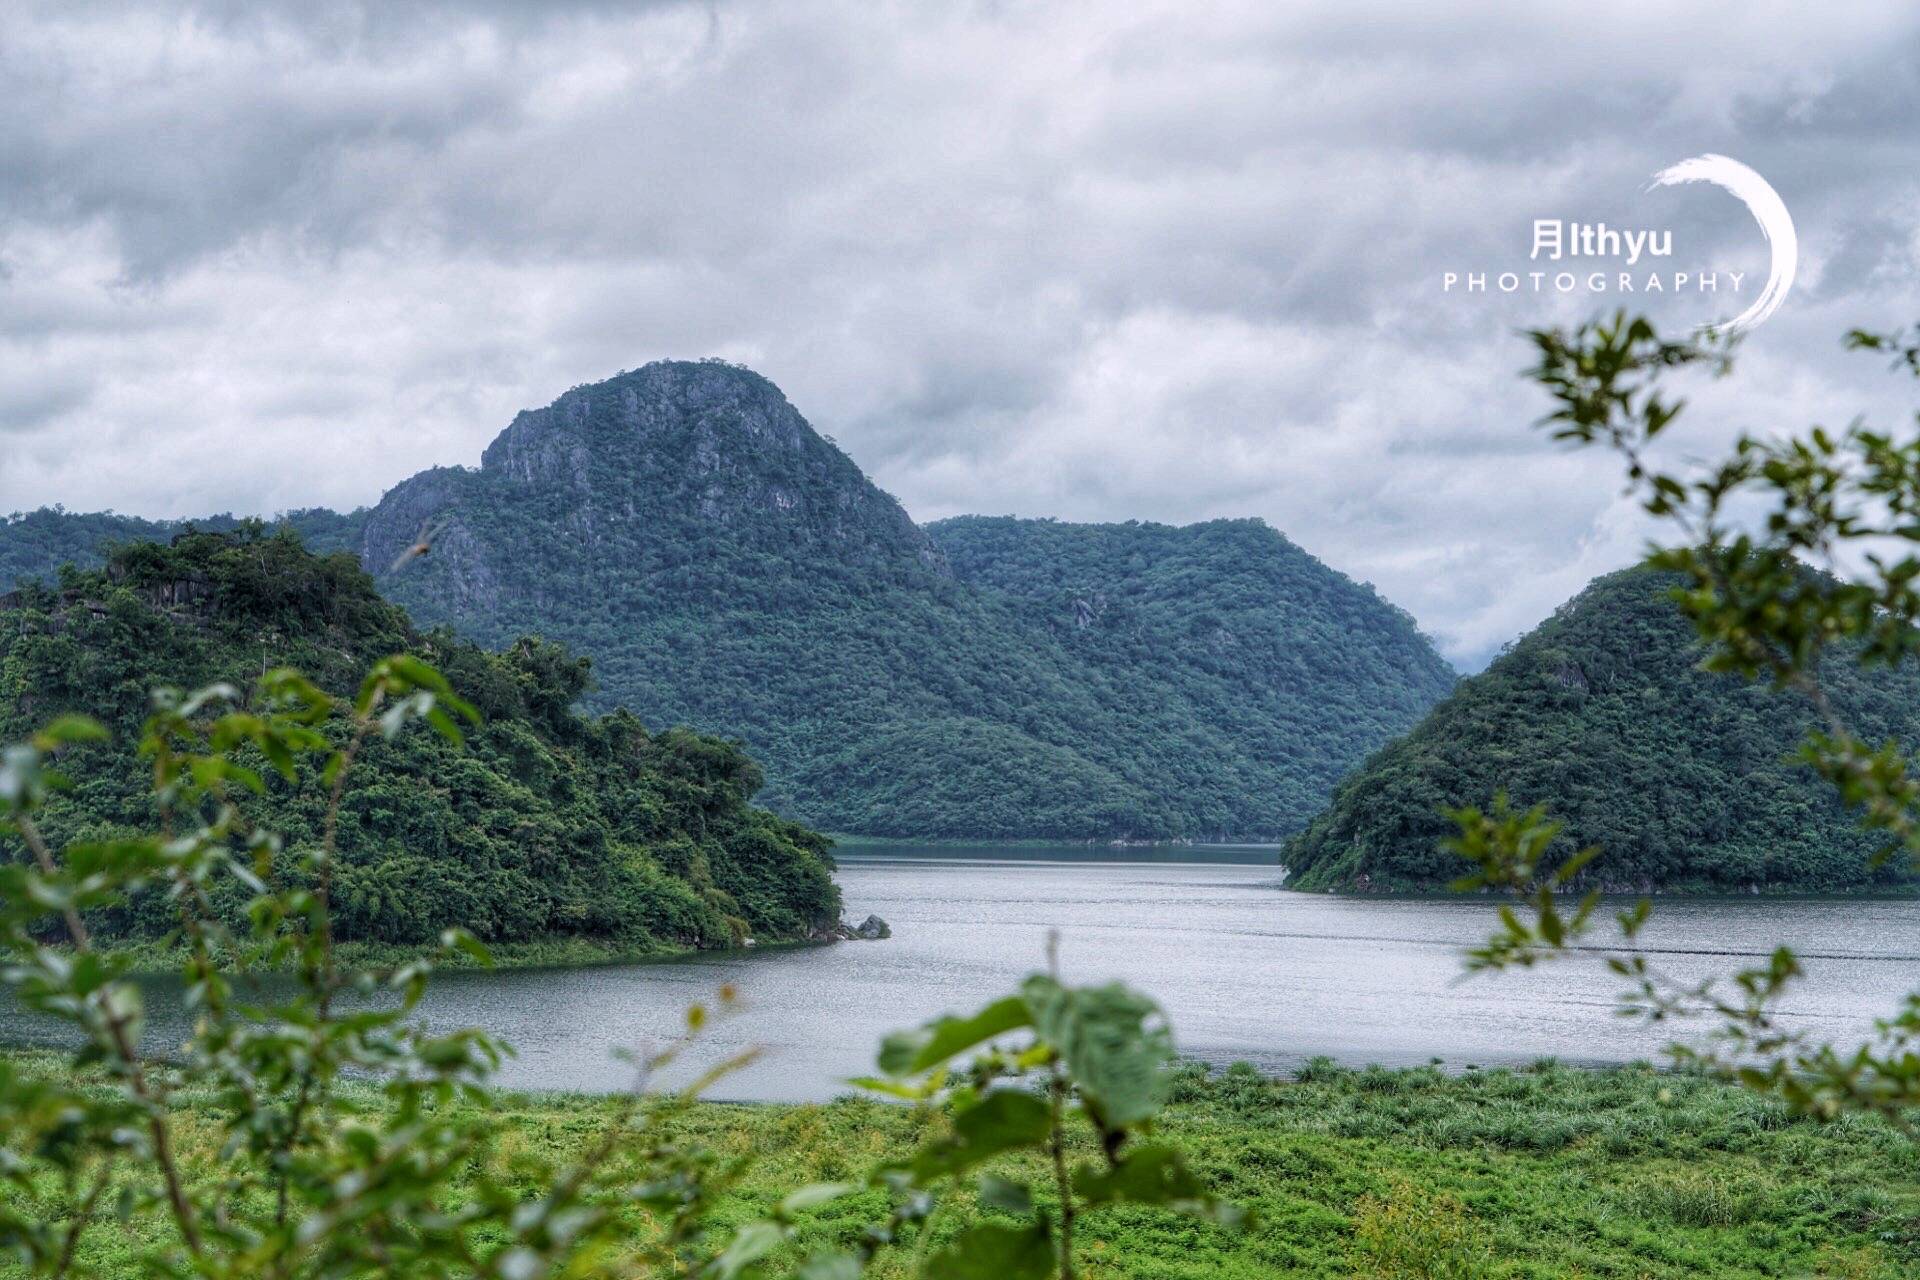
1244	969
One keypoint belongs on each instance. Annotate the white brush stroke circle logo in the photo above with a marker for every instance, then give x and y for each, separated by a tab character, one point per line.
1764	203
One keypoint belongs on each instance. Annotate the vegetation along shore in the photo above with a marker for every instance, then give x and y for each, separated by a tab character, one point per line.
1551	1173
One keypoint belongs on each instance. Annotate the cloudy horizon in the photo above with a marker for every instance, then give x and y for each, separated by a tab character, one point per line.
1162	262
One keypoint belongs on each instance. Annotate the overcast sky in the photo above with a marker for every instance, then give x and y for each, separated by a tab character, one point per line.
1167	261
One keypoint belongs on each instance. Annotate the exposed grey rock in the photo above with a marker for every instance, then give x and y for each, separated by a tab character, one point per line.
872	929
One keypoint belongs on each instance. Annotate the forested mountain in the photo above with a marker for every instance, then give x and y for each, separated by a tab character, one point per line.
1684	778
1279	657
35	544
546	826
728	568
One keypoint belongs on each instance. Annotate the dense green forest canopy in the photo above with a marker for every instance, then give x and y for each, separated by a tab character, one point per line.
1685	779
34	545
729	568
1279	657
547	825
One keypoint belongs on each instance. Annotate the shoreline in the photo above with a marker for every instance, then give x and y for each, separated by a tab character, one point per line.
148	959
843	839
1883	893
1688	892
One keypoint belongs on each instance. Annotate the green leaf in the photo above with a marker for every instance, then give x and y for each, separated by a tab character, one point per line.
1005	1195
416	672
457	939
1004	1120
67	729
275	749
991	1251
829	1266
814	1195
750	1243
1115	1044
892	1088
1154	1175
1574	865
443	725
906	1053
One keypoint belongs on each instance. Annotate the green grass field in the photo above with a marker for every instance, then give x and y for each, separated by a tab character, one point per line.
1401	1175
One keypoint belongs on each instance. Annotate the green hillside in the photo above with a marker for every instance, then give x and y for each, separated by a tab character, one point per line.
547	826
1685	779
1280	658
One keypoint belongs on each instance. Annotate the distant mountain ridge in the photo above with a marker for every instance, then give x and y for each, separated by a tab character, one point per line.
727	567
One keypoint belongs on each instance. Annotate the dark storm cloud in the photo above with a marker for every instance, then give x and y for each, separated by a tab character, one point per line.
1167	261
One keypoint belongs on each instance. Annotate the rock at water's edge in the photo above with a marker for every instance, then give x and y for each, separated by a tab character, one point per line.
872	929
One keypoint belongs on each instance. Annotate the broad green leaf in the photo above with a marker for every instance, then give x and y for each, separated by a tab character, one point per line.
991	1251
1155	1175
906	1053
750	1243
892	1088
274	747
63	730
1005	1194
1114	1042
416	672
443	725
457	939
813	1195
1004	1120
829	1266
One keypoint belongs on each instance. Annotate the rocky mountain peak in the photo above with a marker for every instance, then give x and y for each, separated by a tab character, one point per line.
661	405
617	465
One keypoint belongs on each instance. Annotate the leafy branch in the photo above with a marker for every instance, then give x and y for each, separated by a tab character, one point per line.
355	1141
1795	551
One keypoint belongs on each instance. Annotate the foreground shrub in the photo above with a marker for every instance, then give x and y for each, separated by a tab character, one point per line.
353	1141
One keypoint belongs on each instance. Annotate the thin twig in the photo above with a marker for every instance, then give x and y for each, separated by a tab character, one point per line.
325	979
323	884
81	1219
1057	1144
120	1034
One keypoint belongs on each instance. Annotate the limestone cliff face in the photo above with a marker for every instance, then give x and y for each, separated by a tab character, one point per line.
426	505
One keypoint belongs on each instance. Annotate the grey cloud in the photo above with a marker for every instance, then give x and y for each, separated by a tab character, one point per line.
31	398
1164	260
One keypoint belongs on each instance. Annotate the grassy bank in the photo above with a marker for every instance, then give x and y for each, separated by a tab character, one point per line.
1393	1174
552	953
